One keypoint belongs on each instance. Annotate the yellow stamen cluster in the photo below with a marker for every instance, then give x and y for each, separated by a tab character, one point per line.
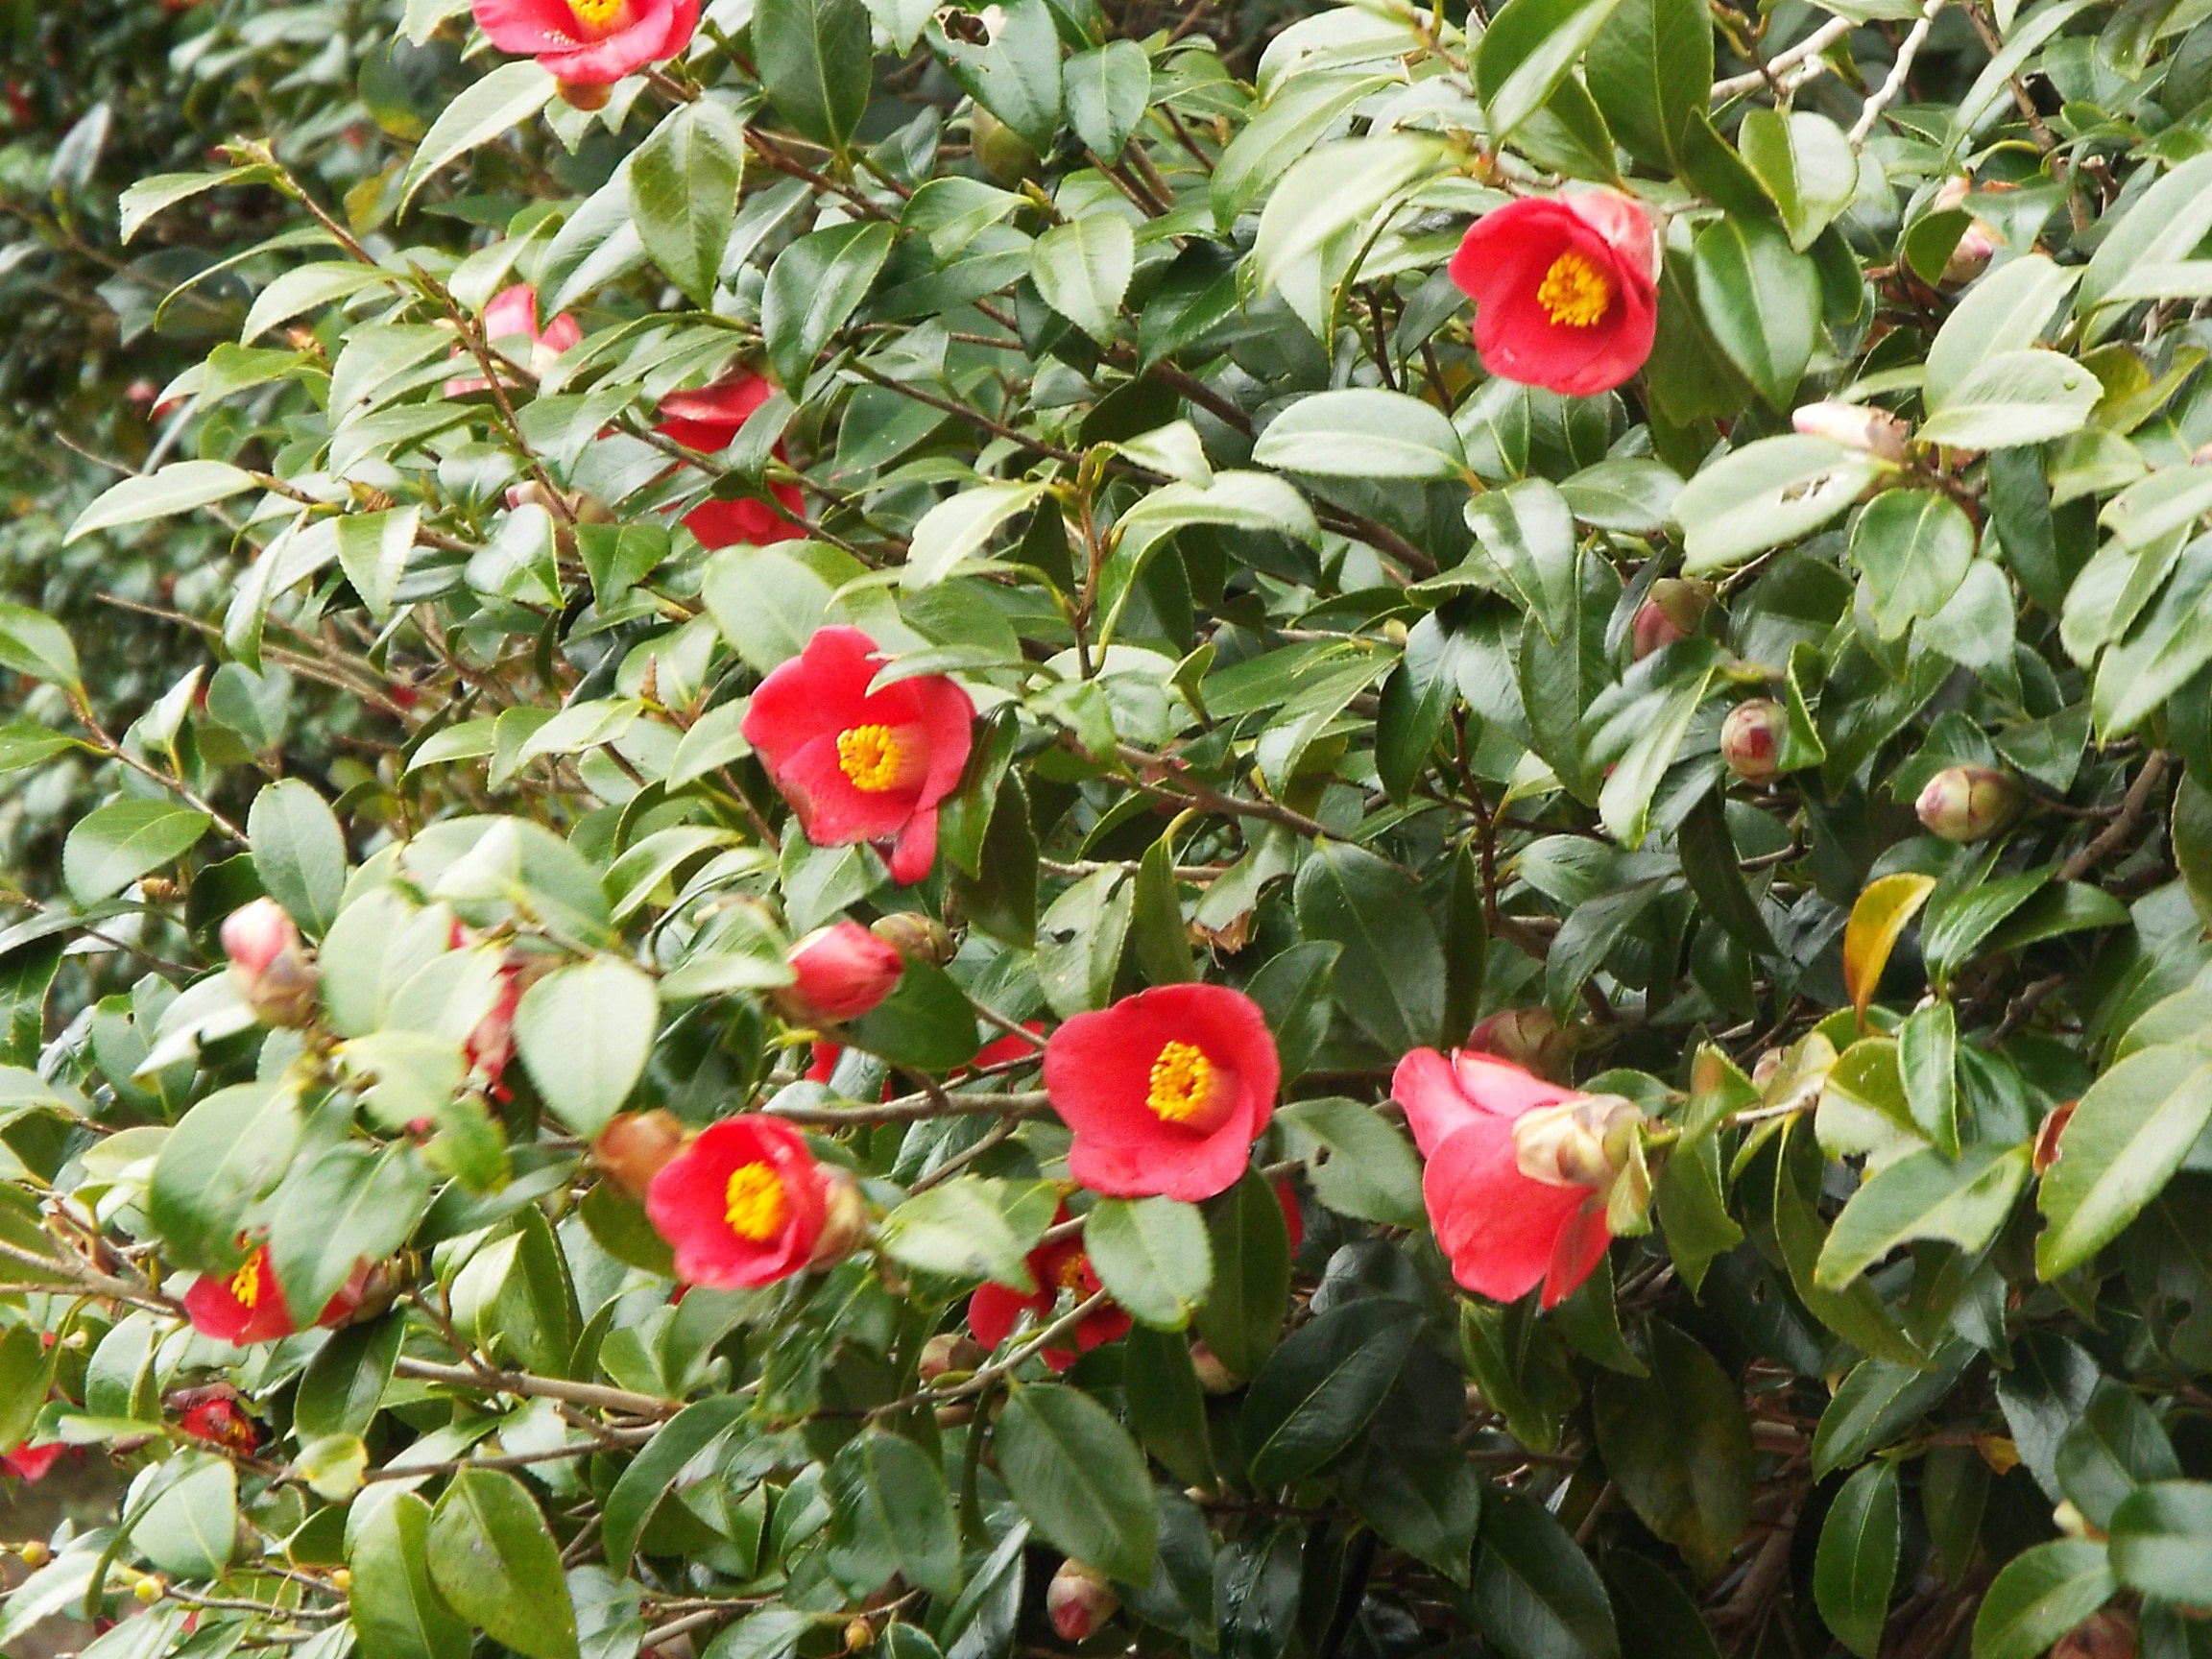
598	16
756	1205
1573	293
1182	1083
1071	1273
246	1282
873	757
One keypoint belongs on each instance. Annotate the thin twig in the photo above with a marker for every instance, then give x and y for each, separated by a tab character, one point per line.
1886	94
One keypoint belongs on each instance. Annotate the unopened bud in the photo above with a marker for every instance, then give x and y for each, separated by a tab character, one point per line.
1579	1143
949	1354
590	509
584	95
1531	1038
911	934
844	1217
1079	1600
34	1553
840	972
1856	426
859	1636
2070	1521
1751	739
1971	254
1214	1377
269	967
341	1580
1672	613
635	1145
2106	1634
2047	1148
1966	803
150	1589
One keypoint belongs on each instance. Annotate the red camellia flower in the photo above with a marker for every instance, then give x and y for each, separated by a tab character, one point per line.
707	421
1520	1170
744	1205
28	1462
511	319
1564	290
217	1415
994	1311
858	765
590	43
1165	1090
842	972
248	1307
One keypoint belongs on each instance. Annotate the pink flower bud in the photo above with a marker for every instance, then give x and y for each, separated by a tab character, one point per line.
1969	802
949	1354
1856	426
1670	614
842	972
1079	1600
1751	739
1214	1377
844	1218
269	967
635	1146
1528	1037
1972	254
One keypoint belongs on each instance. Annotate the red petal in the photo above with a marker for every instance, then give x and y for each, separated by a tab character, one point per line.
1423	1084
994	1311
1502	1089
1498	1227
1574	1256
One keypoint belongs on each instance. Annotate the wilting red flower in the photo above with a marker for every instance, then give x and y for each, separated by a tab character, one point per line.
1165	1090
591	42
858	765
1520	1170
511	316
707	421
1564	289
248	1307
842	972
28	1462
215	1414
994	1311
745	1204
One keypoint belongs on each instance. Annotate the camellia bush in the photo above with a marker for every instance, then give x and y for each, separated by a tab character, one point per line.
1339	833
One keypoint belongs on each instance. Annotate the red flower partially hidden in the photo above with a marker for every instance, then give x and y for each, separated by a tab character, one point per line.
591	42
248	1307
511	319
1165	1090
858	765
708	421
1520	1170
28	1462
217	1415
994	1311
841	972
489	1047
1565	290
743	1204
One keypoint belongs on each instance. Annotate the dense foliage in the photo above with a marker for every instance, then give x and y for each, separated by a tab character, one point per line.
1021	830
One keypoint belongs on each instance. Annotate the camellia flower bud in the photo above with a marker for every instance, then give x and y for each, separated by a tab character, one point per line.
635	1146
1672	613
269	967
844	1217
1583	1141
1214	1377
1856	426
1751	739
950	1354
1529	1037
1969	802
1079	1600
912	934
843	970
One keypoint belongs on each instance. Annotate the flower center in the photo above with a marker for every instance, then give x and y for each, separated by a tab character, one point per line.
876	757
1573	292
600	17
1182	1084
246	1282
1583	1141
756	1205
1071	1273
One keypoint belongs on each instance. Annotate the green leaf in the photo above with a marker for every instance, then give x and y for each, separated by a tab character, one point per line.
395	1612
1319	1388
1806	163
298	853
1536	1595
227	1151
124	840
1650	69
1927	1059
656	1469
1079	941
351	1205
970	1229
1363	434
1083	268
157	194
2162	1539
2015	397
344	1384
509	95
889	1514
1771	491
584	1032
180	487
1420	1493
1014	73
2043	1592
1914	547
926	1024
1877	1403
1856	1566
495	1565
2126	1138
1080	1479
1390	977
372	550
816	61
1107	92
2162	653
189	1524
2116	1446
2005	311
1760	300
1359	1164
1528	52
1242	1319
1153	1255
2165	223
1526	533
1924	1195
1678	1448
815	286
683	187
959	527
